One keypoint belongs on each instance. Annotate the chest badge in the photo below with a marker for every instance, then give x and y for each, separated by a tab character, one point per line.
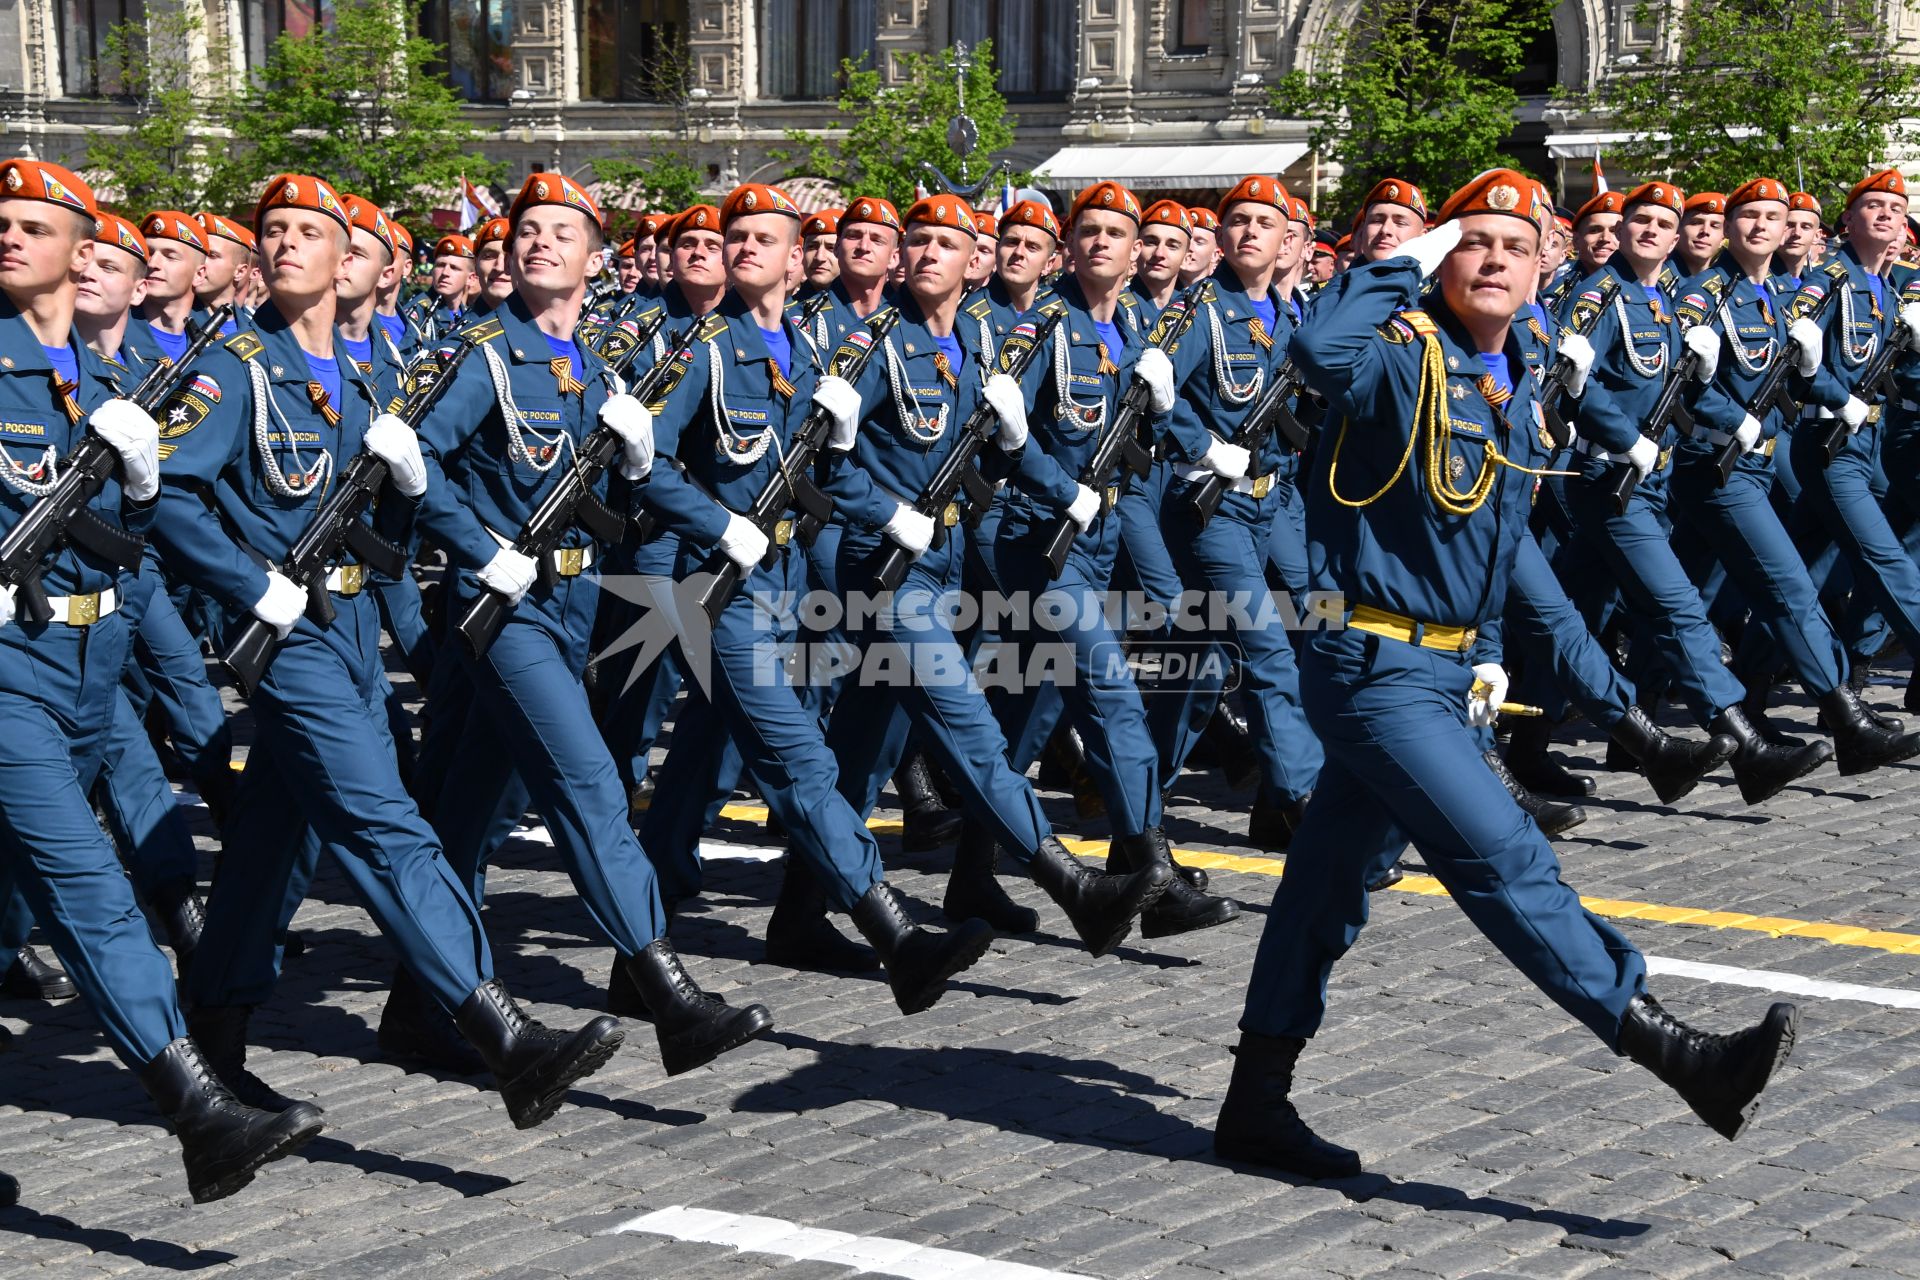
1456	467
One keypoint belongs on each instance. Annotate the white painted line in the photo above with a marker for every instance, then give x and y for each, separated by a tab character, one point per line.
872	1255
1785	983
710	850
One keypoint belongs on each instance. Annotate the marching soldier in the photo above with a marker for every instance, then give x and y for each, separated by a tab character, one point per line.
1203	245
176	261
230	250
1800	246
1703	223
819	262
1393	212
490	265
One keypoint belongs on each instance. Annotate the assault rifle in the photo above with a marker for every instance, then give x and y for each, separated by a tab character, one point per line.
1269	412
1560	376
1667	411
1773	389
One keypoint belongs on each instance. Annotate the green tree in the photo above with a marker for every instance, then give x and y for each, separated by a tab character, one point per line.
1415	89
360	105
664	180
897	128
1808	93
171	156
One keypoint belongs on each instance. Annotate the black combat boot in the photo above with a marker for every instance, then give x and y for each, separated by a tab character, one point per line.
1910	700
927	823
918	961
1859	671
1258	1123
1392	876
1619	758
1180	909
799	935
1719	1076
1231	743
693	1027
532	1064
222	1140
221	1033
972	891
182	915
1274	820
1063	767
1860	746
1761	768
415	1029
1101	908
1538	771
1672	765
1553	816
31	978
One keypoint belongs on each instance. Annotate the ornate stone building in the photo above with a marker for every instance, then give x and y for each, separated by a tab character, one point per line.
1167	94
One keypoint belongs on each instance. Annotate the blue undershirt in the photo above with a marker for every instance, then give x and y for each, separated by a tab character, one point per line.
1110	334
173	344
957	355
360	352
327	374
64	361
396	327
780	347
565	347
1264	308
1496	363
1654	296
1879	288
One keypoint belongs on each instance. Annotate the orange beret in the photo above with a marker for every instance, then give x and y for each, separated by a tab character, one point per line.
649	225
1256	189
402	238
821	222
1704	202
1167	213
626	249
1887	180
1108	196
454	245
555	189
38	180
491	230
171	224
111	228
1297	211
1755	190
757	197
1501	191
1037	214
1397	191
1343	243
1802	202
985	223
227	229
699	217
942	211
370	218
1605	202
299	191
871	209
1203	219
1664	194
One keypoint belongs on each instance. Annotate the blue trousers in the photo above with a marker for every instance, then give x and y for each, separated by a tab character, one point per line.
1837	504
58	689
1543	625
1392	718
1145	565
322	757
1226	559
168	667
137	802
702	763
931	688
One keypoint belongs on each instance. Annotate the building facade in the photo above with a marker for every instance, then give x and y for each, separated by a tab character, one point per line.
1169	95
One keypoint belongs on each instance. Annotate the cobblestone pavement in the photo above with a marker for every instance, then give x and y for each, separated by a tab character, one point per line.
1053	1112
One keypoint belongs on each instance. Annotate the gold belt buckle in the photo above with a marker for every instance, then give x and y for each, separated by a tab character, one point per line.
1113	496
951	516
782	533
1666	456
1467	638
1873	414
353	577
1262	486
572	561
1766	450
83	611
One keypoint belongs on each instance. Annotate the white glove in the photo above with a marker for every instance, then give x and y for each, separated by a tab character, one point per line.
510	573
1643	455
837	396
136	438
1156	371
1430	249
632	421
1910	321
6	605
742	542
1705	343
1484	703
282	604
1084	507
1747	434
394	443
1226	460
1003	394
1853	412
910	529
1579	353
1805	334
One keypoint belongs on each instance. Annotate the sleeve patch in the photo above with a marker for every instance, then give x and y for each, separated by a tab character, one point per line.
245	345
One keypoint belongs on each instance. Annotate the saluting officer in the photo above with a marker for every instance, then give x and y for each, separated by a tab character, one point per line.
1416	511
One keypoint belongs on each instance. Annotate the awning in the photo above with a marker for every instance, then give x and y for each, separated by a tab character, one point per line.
1168	168
1584	146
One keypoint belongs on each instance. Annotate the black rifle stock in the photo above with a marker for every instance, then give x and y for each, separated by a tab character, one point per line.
1873	384
958	472
570	502
62	514
1269	412
1667	410
1120	445
1560	376
337	527
790	485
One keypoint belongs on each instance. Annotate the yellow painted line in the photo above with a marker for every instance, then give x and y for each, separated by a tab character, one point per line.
1844	935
